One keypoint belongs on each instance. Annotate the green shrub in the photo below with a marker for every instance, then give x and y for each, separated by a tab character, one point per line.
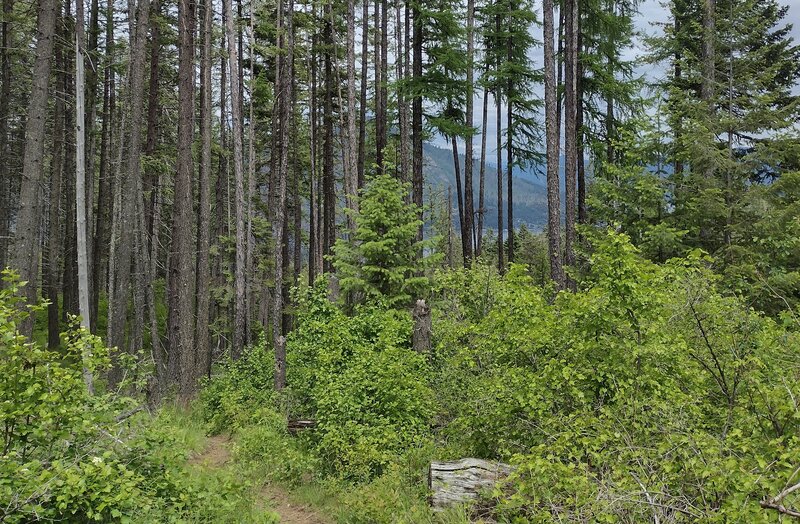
361	381
645	393
244	385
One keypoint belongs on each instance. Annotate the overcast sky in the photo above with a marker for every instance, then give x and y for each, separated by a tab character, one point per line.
651	12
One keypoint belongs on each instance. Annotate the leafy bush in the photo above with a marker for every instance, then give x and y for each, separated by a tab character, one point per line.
361	381
244	385
645	393
72	456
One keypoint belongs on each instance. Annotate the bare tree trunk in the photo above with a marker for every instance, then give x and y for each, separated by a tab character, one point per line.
570	132
240	327
383	139
131	182
482	177
582	215
460	200
416	120
251	184
379	121
351	171
552	140
469	212
102	232
279	225
203	277
402	105
6	190
510	157
328	182
52	262
313	234
182	356
499	109
80	186
362	109
151	176
26	245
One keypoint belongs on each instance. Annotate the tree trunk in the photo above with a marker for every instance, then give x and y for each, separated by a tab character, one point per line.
6	190
552	141
131	182
102	237
362	121
469	212
416	121
570	132
510	157
328	182
499	109
151	177
203	282
313	228
402	105
181	324
240	300
80	186
383	86
351	172
462	225
26	244
52	262
482	177
582	215
279	224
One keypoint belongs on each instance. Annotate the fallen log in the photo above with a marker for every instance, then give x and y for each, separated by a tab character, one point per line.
462	480
295	426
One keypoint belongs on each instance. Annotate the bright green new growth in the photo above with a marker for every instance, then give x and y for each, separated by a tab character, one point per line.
382	259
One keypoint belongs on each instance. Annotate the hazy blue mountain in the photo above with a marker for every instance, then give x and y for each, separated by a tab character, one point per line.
530	193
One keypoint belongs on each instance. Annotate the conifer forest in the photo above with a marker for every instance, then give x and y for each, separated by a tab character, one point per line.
400	261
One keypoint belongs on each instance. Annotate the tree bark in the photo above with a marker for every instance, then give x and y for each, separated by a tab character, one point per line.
279	224
182	360
240	300
499	109
131	182
482	177
26	243
102	233
362	121
469	212
552	145
52	262
6	41
416	121
80	186
203	281
351	172
328	182
510	157
570	132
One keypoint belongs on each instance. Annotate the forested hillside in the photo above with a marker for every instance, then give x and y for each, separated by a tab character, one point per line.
399	261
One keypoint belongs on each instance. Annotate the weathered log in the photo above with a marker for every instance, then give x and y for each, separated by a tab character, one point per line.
463	480
295	426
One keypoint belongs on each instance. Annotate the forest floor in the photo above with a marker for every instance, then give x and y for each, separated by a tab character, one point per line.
216	455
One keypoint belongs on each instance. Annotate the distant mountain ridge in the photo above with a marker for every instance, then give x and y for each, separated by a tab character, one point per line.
530	192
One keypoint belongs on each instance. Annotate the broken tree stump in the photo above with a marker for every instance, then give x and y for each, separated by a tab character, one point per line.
462	480
421	337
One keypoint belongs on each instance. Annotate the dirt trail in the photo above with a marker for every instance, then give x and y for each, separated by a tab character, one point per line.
217	454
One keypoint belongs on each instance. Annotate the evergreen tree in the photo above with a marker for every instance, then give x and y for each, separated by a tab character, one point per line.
380	262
